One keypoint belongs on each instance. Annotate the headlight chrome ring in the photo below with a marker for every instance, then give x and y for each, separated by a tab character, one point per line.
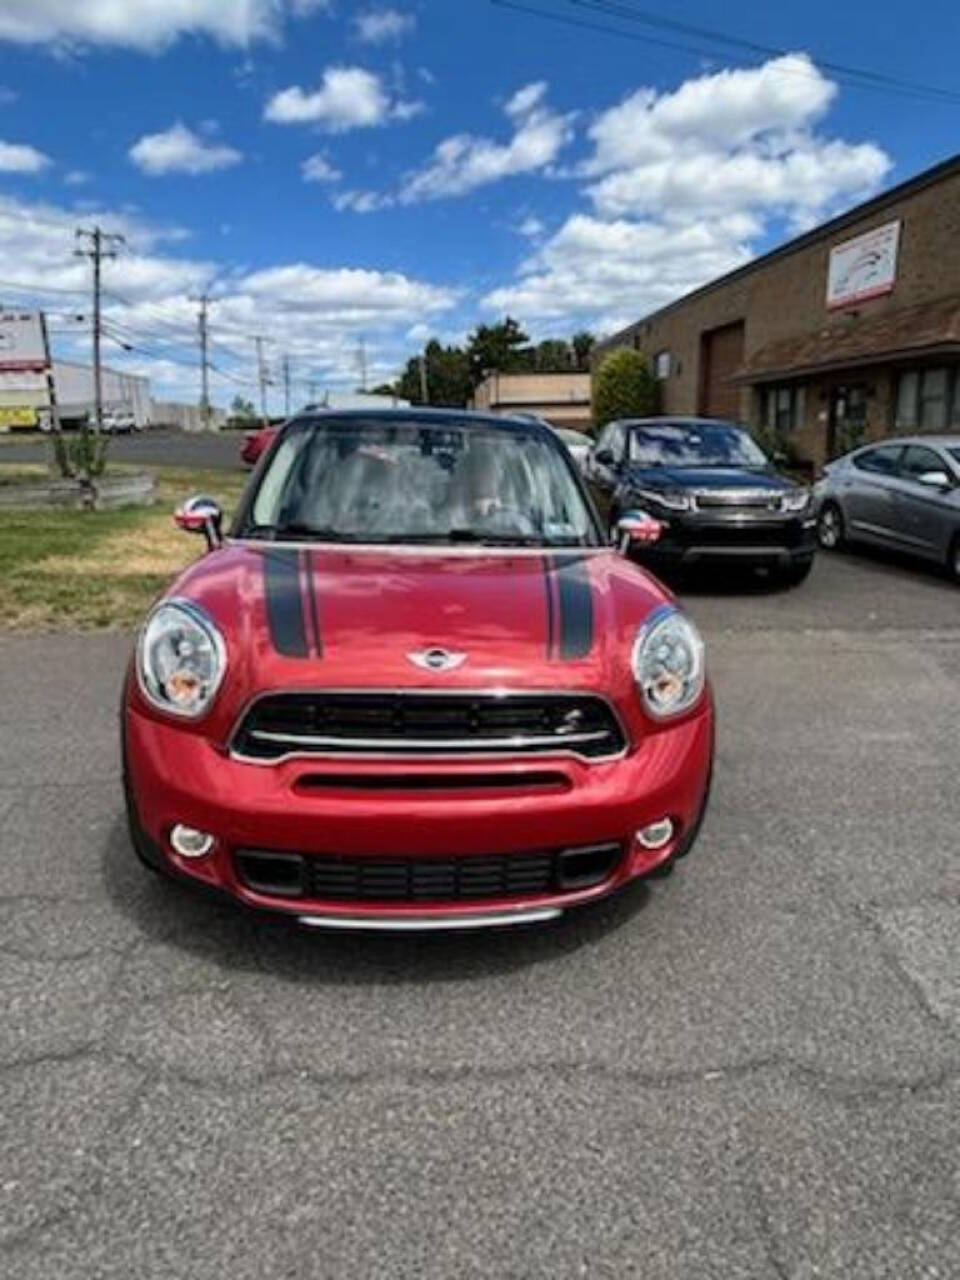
181	659
668	663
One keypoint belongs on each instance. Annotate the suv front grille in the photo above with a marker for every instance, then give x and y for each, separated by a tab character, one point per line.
733	500
322	723
412	880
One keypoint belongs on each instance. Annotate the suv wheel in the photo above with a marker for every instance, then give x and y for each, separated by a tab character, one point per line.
830	531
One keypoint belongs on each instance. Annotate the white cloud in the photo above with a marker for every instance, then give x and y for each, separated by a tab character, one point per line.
463	162
377	26
317	168
7	95
148	25
16	157
317	314
180	150
685	186
531	227
77	178
348	98
361	201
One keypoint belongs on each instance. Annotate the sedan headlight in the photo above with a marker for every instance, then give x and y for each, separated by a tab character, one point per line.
181	659
668	663
795	500
672	501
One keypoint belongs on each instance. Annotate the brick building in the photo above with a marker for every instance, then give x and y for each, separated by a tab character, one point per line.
848	333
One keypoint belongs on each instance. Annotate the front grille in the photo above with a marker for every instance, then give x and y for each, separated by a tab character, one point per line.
428	724
733	500
412	880
759	533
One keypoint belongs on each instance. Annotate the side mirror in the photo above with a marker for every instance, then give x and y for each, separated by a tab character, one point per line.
935	479
604	457
201	514
636	528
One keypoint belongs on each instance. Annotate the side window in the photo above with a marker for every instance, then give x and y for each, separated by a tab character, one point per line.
880	461
617	445
918	460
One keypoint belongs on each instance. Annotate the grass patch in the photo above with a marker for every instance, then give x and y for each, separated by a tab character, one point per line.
77	569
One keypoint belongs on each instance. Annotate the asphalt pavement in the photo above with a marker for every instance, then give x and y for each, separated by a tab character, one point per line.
751	1069
158	447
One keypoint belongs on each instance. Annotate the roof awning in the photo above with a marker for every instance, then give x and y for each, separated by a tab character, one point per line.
930	330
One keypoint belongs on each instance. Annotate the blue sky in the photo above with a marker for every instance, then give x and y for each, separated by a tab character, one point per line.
338	171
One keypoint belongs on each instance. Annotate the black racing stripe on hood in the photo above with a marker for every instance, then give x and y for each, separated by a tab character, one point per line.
575	598
281	574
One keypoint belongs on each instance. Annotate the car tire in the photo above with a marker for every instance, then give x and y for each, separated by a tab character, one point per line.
953	560
831	533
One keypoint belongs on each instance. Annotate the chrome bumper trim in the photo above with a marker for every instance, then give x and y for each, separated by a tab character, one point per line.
434	922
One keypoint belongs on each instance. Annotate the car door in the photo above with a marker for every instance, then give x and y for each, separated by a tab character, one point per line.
926	512
867	496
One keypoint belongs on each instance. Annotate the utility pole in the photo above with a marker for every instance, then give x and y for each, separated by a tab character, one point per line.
102	245
424	387
262	378
286	386
204	332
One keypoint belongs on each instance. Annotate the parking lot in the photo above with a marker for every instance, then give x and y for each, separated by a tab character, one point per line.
748	1070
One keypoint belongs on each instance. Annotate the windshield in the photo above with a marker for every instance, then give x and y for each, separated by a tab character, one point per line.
376	481
677	444
954	452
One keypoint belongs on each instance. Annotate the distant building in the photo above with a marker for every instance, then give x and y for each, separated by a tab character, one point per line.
846	334
73	384
562	398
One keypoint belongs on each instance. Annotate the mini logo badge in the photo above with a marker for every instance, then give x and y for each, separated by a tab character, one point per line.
437	659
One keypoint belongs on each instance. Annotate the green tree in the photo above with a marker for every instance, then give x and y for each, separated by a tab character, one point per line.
552	356
583	344
501	347
243	409
623	387
449	382
385	389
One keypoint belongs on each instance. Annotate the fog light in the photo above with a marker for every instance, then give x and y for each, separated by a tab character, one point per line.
189	842
656	835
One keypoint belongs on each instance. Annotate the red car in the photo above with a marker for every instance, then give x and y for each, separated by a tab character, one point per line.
415	687
255	443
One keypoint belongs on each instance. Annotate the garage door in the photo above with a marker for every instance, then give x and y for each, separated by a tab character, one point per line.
721	355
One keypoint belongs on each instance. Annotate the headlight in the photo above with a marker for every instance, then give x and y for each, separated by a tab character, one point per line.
795	500
181	659
672	501
668	663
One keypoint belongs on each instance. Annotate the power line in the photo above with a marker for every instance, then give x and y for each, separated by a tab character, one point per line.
631	13
927	94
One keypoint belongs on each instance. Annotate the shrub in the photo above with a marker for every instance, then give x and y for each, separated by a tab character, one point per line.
624	387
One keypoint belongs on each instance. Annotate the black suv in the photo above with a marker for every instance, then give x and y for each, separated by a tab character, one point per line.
715	494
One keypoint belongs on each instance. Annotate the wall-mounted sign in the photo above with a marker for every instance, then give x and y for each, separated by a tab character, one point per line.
22	342
865	267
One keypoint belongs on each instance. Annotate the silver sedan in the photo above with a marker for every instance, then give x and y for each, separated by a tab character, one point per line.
902	494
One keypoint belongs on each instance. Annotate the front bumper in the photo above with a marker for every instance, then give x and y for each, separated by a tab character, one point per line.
175	776
748	541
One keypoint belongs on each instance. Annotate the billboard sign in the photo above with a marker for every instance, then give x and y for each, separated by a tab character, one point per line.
23	346
865	267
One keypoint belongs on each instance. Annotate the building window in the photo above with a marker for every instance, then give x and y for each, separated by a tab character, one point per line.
928	399
785	407
661	365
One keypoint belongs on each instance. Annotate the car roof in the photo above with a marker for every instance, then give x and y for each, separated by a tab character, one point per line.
680	420
420	413
941	441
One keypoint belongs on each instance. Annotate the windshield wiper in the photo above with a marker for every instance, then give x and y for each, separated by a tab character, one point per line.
297	529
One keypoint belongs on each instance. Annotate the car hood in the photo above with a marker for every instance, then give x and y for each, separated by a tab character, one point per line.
318	617
699	478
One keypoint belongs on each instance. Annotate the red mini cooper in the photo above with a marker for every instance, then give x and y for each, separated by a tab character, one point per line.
414	687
